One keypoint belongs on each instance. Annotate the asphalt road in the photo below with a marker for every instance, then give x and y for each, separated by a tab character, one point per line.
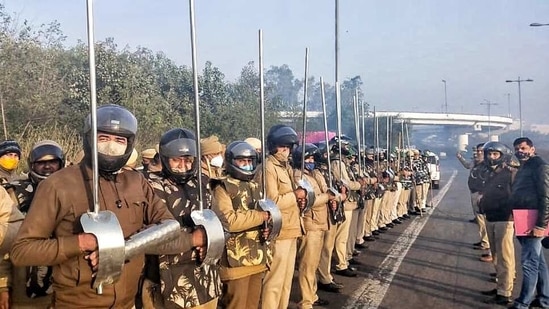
426	262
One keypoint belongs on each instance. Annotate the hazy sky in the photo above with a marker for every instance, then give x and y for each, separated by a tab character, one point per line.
402	49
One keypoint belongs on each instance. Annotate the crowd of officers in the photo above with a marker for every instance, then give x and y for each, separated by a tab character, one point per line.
52	261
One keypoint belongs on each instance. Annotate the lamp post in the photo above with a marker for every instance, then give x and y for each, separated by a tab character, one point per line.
445	98
518	81
508	104
489	104
538	25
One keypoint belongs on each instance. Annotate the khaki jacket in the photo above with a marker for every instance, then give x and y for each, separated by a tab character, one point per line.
234	202
59	203
350	203
280	189
316	219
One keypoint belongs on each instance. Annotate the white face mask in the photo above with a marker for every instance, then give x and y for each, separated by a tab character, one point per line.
111	148
216	161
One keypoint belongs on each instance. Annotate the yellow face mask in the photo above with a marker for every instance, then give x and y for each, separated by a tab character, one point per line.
9	163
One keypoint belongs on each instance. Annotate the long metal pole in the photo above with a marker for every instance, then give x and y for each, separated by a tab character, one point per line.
326	135
262	115
196	98
93	107
338	93
357	132
520	106
305	86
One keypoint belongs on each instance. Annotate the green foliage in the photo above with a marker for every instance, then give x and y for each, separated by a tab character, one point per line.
44	90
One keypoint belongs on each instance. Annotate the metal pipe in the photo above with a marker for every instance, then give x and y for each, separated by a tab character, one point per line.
305	84
262	114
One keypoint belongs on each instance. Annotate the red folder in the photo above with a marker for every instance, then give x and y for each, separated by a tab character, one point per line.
525	221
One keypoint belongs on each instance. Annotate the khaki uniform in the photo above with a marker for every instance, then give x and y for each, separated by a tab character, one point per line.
277	283
59	202
243	263
316	223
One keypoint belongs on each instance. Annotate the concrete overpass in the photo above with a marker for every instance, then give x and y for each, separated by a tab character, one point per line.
466	121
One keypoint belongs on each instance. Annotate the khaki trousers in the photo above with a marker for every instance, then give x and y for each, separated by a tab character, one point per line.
500	234
309	259
403	199
394	206
385	208
277	283
353	232
324	275
419	196
376	209
242	293
361	218
425	196
368	217
481	221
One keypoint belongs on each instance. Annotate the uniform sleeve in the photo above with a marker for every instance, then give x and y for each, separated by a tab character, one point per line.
542	183
10	221
33	243
157	210
353	185
234	221
282	200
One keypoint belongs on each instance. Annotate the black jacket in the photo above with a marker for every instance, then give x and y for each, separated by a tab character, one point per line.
496	192
531	189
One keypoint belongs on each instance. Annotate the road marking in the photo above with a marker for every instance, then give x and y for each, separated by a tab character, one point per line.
371	292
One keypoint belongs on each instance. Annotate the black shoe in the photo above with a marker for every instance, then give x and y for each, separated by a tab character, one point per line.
536	304
490	292
498	299
406	216
354	262
383	229
360	246
477	244
330	287
474	220
345	272
390	225
321	302
369	238
356	253
376	233
493	274
397	221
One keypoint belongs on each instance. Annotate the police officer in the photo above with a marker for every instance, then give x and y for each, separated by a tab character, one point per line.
181	280
282	189
51	234
10	154
315	222
235	201
31	287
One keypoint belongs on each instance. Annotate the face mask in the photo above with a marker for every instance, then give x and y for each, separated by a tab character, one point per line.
310	166
522	156
111	148
9	163
217	161
247	168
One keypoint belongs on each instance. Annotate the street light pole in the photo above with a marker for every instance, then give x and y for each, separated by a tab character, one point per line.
445	98
538	25
489	104
518	81
509	104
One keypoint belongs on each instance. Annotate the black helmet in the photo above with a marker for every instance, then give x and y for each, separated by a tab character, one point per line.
112	119
345	145
10	146
505	152
240	150
42	151
281	135
310	150
177	143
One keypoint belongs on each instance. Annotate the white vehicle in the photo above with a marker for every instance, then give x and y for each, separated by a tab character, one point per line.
433	165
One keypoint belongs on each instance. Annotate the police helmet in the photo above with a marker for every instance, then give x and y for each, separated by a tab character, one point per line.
345	145
240	150
281	135
174	143
310	150
43	151
505	152
112	119
10	146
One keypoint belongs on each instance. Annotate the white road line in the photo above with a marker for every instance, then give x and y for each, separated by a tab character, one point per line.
370	293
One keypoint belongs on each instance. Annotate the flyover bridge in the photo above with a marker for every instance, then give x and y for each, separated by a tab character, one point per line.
466	121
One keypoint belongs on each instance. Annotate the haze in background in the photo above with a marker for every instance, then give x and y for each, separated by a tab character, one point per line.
401	49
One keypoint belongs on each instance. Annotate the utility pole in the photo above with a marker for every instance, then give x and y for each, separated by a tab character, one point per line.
445	97
489	104
518	81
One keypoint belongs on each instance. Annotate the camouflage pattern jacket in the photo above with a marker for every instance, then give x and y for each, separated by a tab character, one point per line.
235	203
184	283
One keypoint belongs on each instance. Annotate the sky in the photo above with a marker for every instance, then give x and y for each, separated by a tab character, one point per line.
402	49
